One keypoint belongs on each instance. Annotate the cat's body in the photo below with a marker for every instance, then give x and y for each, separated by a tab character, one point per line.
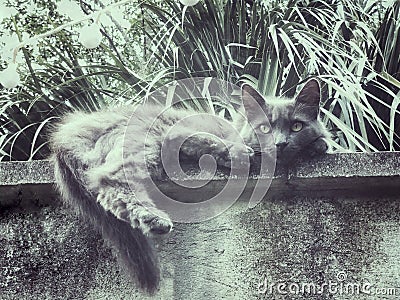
92	152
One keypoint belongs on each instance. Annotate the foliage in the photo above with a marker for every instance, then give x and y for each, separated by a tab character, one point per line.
353	47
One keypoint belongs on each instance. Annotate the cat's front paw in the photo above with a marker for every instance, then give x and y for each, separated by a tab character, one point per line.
234	155
152	221
157	225
318	147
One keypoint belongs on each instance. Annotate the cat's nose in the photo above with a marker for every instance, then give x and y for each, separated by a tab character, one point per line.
280	146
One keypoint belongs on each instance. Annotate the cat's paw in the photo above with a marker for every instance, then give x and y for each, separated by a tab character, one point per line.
156	225
234	155
318	147
152	221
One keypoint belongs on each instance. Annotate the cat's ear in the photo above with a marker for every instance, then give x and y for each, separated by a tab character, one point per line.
310	94
252	100
309	97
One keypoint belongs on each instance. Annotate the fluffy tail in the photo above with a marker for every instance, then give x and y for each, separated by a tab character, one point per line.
134	249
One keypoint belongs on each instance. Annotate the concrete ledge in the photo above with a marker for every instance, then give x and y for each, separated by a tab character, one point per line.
344	173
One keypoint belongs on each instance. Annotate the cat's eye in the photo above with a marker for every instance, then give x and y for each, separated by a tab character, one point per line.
265	128
297	126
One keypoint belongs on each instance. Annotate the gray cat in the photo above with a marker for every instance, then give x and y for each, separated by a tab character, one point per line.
88	149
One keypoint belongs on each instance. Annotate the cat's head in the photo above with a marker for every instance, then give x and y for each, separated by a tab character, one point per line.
292	127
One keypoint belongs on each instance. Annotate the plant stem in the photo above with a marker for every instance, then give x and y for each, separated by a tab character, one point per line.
26	56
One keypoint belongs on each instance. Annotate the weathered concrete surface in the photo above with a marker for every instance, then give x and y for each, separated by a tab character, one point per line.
292	239
349	173
47	253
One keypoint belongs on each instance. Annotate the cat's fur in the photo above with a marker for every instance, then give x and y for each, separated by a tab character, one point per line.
88	150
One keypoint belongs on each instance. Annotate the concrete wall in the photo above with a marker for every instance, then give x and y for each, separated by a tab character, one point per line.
335	220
